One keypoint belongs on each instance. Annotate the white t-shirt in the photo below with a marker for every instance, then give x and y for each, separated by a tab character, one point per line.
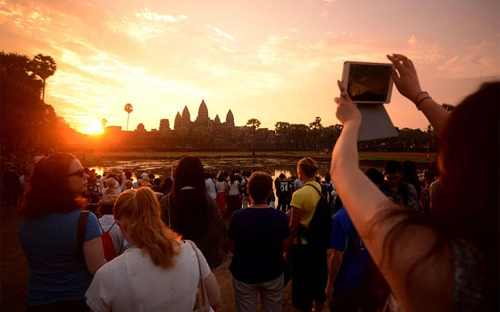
234	188
210	186
131	282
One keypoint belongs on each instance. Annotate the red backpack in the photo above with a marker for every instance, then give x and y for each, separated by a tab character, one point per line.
107	244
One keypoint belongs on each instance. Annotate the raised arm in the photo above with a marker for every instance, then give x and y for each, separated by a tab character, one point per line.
406	80
418	285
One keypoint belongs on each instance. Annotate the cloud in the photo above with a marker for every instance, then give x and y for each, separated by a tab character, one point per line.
146	25
412	42
221	33
153	16
451	66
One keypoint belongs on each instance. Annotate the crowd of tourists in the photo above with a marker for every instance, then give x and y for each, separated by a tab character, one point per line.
355	241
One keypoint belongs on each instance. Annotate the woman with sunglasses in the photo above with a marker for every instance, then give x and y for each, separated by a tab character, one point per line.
60	273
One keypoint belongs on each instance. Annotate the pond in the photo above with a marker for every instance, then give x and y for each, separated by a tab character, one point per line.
162	167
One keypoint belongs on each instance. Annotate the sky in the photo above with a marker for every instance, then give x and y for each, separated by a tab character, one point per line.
273	60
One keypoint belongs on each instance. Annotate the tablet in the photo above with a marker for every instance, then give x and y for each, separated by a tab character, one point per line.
368	83
375	123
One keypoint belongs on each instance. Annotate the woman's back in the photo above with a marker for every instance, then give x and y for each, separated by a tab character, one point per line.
57	270
132	282
212	241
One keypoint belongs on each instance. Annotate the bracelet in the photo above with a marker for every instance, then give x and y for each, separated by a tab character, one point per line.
418	103
418	95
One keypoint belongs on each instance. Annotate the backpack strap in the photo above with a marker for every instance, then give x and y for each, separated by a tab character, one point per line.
82	226
109	227
299	234
314	187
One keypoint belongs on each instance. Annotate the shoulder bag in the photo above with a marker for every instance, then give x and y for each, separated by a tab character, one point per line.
203	304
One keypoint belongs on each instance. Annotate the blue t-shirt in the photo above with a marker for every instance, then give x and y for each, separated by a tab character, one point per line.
57	272
258	254
345	238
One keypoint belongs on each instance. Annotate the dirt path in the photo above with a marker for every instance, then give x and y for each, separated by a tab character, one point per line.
14	271
13	268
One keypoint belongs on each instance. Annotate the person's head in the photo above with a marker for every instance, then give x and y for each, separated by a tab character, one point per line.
128	174
282	176
129	184
468	162
328	178
307	167
375	176
144	182
56	183
220	178
191	209
111	184
157	181
392	173
409	171
189	172
106	206
260	186
138	214
232	178
167	184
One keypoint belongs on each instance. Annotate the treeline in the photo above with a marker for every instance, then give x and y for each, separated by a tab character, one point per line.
285	137
26	121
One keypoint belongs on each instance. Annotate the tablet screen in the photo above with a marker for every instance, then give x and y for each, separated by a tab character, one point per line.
368	82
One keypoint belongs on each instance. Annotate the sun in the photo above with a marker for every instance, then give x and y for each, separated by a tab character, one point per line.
93	129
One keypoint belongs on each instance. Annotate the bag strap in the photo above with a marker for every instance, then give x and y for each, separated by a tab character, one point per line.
80	231
314	187
202	291
109	227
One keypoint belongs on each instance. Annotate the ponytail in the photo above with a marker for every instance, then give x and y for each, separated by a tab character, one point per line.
147	230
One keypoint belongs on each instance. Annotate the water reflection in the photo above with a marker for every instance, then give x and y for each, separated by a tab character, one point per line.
163	168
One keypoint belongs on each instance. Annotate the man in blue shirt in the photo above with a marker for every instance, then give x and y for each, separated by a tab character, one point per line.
348	260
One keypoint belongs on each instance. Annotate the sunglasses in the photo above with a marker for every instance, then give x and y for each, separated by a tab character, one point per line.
79	173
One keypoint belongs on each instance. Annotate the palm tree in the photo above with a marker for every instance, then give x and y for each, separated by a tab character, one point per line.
44	66
254	124
104	121
128	108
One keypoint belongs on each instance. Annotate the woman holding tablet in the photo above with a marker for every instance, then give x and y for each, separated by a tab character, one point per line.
448	259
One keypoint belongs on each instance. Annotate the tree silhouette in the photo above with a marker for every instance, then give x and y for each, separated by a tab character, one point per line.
254	124
128	108
43	66
316	124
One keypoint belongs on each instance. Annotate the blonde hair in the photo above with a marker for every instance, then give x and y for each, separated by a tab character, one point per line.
308	166
146	229
110	186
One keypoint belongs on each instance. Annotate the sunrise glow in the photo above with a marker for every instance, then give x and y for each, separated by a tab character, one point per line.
269	60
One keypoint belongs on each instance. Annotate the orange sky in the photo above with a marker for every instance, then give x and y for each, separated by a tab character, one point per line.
271	60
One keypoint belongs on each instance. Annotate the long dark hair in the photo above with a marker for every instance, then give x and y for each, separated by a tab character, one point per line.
48	188
468	159
190	195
